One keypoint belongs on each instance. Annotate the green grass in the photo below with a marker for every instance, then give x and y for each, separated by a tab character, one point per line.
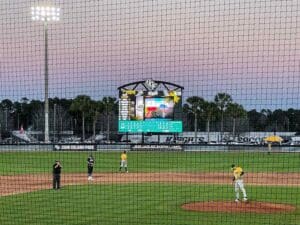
140	204
148	203
41	162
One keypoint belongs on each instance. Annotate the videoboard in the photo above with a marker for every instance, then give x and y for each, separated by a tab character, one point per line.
150	109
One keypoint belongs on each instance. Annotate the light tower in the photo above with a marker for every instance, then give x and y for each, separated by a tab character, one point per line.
46	14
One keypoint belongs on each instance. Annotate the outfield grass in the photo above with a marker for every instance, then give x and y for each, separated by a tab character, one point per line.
41	162
147	203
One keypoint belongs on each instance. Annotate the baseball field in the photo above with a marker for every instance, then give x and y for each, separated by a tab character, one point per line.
160	188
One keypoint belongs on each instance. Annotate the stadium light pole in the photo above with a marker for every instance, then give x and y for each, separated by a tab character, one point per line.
46	14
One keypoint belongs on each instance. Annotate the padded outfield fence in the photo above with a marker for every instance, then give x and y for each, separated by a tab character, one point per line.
150	112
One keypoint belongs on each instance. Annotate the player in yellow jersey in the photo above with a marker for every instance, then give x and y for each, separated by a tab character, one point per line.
238	182
123	163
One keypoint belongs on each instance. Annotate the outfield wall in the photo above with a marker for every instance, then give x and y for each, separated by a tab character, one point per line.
202	137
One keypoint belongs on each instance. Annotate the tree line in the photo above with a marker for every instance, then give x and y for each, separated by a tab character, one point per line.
87	117
224	115
82	115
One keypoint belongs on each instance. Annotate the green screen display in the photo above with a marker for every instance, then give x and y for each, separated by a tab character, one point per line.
161	126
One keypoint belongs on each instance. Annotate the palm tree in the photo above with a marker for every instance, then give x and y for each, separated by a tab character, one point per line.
254	120
81	104
25	114
34	111
235	111
266	115
222	101
110	106
194	107
97	108
63	119
210	111
7	106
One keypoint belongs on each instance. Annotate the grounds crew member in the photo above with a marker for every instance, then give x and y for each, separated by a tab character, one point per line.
56	174
238	182
123	163
90	166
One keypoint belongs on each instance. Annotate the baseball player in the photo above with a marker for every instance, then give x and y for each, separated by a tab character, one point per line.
238	182
56	174
123	163
90	166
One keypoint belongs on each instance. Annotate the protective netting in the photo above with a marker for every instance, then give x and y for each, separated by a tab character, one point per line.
150	112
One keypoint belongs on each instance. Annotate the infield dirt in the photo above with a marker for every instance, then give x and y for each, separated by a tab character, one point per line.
241	207
10	185
18	184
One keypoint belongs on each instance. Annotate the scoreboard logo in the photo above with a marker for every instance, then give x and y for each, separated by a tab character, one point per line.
151	84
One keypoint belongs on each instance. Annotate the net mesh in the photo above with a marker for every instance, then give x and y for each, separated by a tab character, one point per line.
236	64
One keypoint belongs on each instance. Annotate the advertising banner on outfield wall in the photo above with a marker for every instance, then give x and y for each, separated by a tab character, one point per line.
202	138
76	147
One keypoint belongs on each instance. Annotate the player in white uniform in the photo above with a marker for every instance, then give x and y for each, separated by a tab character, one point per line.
238	182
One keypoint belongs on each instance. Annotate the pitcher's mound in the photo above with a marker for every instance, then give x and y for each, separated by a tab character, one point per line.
243	207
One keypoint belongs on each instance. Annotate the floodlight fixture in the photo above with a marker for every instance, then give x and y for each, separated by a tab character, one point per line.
45	13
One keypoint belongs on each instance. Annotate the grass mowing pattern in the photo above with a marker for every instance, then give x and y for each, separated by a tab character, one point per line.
41	162
139	204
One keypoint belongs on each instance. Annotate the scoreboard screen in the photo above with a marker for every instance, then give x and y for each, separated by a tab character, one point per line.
150	111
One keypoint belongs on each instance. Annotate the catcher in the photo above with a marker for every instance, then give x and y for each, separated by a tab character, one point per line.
238	182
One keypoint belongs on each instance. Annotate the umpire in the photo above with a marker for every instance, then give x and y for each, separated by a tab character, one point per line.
56	175
90	165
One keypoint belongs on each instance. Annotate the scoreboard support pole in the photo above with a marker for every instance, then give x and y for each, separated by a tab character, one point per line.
143	138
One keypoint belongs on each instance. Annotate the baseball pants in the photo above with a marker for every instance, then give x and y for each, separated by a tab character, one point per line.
239	185
56	181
